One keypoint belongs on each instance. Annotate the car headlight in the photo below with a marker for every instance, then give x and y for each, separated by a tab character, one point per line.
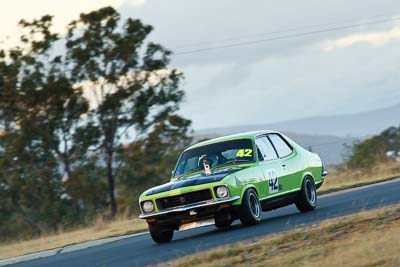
147	206
222	191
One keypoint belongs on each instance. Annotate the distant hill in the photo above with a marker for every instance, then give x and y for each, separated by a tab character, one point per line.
358	125
324	135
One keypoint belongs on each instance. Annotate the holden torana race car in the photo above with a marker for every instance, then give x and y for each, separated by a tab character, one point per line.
234	177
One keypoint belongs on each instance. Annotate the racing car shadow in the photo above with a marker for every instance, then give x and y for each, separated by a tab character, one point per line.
275	221
272	217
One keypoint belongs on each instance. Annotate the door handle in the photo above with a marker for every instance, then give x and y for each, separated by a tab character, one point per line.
283	165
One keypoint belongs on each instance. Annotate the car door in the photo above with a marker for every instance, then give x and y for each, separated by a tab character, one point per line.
271	167
286	154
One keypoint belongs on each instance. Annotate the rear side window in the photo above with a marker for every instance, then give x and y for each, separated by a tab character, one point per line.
280	145
265	149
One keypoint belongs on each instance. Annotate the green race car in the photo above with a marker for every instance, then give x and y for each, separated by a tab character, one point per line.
233	177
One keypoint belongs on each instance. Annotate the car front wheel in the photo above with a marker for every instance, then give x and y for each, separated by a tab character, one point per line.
160	234
250	210
307	199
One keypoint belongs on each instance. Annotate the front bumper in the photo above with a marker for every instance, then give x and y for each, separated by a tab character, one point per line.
177	210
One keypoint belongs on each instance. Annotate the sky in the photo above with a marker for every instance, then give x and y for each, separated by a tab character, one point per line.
281	76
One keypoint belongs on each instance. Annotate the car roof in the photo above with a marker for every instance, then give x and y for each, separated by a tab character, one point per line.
250	135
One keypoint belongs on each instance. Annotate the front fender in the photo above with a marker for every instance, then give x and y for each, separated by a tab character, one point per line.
241	193
241	181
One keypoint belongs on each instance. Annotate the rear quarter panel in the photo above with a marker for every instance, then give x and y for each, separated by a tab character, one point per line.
305	164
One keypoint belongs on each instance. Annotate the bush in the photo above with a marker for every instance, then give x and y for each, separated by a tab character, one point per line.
372	151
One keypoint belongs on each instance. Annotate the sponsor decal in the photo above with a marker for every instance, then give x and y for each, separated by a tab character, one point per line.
192	212
207	169
244	153
273	181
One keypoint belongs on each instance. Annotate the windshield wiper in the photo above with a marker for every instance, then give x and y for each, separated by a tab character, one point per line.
233	161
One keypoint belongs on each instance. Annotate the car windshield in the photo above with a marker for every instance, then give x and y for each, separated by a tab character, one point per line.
214	155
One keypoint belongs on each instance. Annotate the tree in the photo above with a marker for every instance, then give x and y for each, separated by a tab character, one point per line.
10	63
66	121
53	109
131	87
148	162
40	112
371	151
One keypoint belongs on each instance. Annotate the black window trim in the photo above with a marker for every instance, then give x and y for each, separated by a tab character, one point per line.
276	153
284	140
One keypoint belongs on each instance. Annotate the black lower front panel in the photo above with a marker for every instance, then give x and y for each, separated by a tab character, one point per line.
196	214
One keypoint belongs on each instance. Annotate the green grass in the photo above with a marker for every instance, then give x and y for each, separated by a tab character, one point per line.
348	179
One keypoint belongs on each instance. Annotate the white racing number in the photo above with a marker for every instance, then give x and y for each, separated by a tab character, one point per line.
273	181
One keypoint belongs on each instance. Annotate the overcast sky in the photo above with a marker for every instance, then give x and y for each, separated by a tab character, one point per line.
335	72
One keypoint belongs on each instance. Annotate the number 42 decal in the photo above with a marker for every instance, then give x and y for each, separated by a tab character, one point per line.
244	153
273	181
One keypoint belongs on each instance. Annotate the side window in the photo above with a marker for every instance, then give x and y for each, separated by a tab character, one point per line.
280	145
260	149
266	149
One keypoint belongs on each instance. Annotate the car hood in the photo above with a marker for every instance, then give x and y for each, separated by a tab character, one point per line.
196	179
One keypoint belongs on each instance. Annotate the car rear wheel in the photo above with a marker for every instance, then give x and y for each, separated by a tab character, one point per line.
250	210
160	234
307	199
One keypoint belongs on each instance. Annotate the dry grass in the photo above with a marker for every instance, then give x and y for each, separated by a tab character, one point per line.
345	179
366	239
101	229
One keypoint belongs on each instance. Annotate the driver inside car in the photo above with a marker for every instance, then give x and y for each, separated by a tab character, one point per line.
205	162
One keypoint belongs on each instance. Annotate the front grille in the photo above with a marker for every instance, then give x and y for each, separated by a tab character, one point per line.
184	199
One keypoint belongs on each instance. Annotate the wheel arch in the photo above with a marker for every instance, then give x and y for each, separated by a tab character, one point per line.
307	174
245	188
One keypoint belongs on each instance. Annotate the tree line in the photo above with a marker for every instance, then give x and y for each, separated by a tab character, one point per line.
372	151
88	119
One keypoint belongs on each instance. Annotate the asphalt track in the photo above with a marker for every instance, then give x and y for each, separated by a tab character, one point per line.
141	251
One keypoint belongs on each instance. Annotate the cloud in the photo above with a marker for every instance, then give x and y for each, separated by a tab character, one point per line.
265	82
371	38
306	84
136	2
63	11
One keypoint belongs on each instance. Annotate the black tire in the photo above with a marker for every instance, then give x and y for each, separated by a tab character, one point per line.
223	224
307	199
250	210
160	234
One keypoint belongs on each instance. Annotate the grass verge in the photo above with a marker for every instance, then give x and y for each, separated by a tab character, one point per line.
348	179
366	239
99	230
